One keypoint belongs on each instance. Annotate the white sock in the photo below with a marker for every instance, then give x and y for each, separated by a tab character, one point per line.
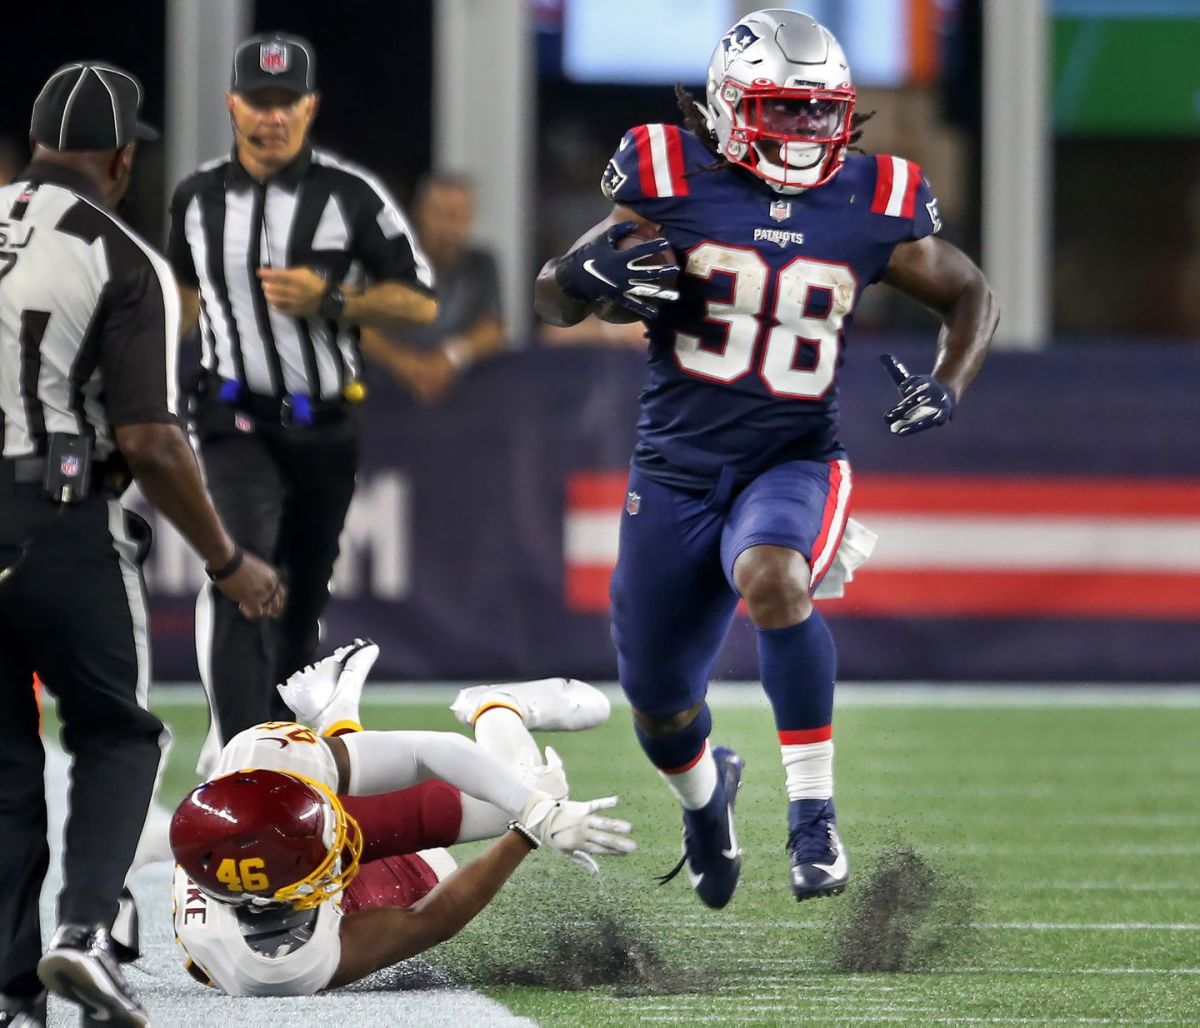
480	820
809	770
695	786
501	732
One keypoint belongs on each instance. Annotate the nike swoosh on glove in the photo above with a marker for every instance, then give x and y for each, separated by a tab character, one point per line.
924	401
574	828
599	271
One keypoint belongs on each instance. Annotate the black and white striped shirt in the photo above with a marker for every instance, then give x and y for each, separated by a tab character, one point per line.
320	212
89	317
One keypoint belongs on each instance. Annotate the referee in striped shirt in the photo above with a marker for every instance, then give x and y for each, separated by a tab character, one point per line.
88	329
282	251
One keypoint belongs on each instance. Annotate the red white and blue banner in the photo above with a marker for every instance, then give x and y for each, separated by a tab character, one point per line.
1051	532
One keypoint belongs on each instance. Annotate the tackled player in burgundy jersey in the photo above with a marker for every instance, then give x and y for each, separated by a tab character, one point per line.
742	369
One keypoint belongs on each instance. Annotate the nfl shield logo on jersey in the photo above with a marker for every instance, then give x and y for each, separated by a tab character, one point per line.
273	58
69	466
633	503
781	210
242	423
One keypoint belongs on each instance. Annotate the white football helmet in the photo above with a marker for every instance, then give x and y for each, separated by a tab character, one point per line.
780	99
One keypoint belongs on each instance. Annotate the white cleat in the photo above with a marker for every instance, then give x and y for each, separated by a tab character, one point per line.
330	689
547	705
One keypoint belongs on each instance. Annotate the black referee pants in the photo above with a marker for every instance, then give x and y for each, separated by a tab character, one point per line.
283	493
73	610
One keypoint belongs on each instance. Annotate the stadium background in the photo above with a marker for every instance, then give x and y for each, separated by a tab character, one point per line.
1053	531
1051	534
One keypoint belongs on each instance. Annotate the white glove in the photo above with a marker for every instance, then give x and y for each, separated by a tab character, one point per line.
574	828
550	777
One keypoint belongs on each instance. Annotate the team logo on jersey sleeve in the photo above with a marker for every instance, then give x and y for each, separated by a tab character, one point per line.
612	180
935	216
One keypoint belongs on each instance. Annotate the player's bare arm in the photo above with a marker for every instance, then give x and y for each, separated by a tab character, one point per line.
941	277
375	939
559	302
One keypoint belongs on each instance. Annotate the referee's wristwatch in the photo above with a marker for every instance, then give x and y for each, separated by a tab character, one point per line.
333	302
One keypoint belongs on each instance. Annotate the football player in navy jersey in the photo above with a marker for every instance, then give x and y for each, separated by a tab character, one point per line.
739	485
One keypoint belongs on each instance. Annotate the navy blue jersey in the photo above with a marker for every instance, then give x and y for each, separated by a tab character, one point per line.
742	370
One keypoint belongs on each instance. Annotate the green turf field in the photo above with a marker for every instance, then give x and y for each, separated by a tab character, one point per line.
1060	880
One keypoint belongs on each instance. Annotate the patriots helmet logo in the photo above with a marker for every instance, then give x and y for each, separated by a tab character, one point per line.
736	40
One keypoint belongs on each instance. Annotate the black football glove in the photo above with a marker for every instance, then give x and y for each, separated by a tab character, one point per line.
598	271
924	401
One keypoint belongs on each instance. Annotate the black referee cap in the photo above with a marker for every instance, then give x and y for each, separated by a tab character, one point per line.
88	105
274	60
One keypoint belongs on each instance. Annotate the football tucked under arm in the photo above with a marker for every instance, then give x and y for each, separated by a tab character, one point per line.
613	311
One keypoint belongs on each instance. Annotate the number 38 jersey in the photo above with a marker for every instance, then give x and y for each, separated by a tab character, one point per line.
743	367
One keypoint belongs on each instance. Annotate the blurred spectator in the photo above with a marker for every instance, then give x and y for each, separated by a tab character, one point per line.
591	331
428	360
12	160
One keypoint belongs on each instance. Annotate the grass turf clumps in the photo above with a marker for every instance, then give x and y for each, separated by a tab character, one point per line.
904	915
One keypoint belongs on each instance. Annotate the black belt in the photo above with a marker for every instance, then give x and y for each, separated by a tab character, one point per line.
289	411
23	477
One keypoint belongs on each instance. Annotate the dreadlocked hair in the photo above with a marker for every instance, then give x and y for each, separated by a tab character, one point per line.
696	123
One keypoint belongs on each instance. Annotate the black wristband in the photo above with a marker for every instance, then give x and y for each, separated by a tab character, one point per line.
228	568
515	826
333	302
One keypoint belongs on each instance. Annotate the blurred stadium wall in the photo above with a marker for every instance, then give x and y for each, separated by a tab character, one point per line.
1052	532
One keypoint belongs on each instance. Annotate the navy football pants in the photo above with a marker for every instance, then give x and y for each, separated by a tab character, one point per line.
673	596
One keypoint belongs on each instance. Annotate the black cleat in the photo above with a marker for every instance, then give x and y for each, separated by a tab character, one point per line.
23	1011
818	859
80	966
711	852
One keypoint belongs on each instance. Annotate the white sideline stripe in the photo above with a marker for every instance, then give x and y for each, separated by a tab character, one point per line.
1001	695
970	541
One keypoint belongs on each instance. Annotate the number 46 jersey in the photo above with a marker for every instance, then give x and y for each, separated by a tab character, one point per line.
743	366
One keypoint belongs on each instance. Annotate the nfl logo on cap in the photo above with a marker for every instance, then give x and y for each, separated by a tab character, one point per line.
273	58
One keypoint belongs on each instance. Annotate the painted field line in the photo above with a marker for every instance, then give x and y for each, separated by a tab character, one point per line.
1059	972
849	694
840	1018
1051	926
